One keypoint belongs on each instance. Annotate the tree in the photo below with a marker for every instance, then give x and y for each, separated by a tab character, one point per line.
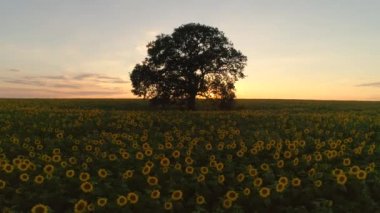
194	61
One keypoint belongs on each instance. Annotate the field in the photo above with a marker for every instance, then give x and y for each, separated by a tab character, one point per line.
119	156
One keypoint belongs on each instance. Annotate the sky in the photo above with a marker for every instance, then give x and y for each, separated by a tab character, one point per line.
296	49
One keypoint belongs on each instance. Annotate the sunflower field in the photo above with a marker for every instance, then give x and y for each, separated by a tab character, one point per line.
67	158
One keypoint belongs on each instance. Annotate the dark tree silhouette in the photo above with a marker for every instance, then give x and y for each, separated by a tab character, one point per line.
194	61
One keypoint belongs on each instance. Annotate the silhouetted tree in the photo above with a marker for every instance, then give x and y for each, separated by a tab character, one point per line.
194	61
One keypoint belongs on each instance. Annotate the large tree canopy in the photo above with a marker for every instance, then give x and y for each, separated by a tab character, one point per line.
194	61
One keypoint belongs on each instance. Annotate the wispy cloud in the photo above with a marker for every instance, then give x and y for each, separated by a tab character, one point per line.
14	70
53	77
99	78
6	92
24	82
72	86
77	85
373	84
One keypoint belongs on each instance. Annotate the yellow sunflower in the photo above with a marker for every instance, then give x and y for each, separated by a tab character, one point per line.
264	192
80	206
40	208
177	195
87	187
102	201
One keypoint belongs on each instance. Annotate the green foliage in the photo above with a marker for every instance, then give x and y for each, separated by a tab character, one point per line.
194	61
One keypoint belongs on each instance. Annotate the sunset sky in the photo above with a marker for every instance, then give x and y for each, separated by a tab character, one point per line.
296	49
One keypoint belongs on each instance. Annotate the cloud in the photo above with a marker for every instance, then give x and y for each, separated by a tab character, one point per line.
14	70
99	78
53	77
373	84
72	86
9	92
67	86
25	82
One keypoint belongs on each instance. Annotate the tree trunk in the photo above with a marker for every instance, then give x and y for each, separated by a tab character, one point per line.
191	101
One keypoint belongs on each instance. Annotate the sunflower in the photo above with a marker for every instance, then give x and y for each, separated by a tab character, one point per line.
165	162
48	169
189	160
23	166
204	170
168	145
276	156
168	205
240	177
63	164
280	164
102	173
208	146
257	182
155	194
87	187
346	161
80	206
121	200
128	174
253	172
264	192
201	178
283	180
280	187
220	146
264	167
240	153
177	166
70	173
246	191
151	180
354	170
165	170
227	203
139	156
296	182
56	158
125	155
221	179
189	170
341	179
176	154
148	152
84	176
295	161
2	184
40	208
39	179
311	172
112	157
24	177
318	157
102	201
361	175
318	183
337	172
219	167
199	200
133	197
146	170
8	168
73	160
287	154
232	195
177	195
56	151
